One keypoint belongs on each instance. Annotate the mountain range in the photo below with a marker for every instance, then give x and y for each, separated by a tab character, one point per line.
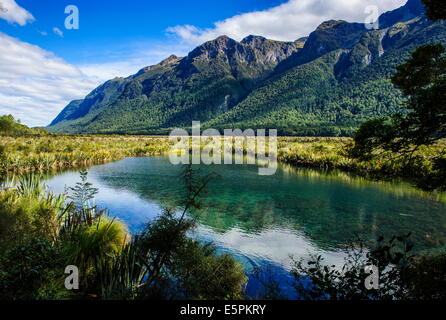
325	84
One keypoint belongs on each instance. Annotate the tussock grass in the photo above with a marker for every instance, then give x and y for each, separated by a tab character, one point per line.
46	153
56	152
332	153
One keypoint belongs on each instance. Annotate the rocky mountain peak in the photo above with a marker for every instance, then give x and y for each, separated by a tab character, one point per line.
329	24
220	43
224	81
412	9
329	36
253	40
212	48
171	59
252	49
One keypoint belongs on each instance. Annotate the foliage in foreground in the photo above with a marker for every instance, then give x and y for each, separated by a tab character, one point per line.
40	235
189	269
401	275
348	282
422	79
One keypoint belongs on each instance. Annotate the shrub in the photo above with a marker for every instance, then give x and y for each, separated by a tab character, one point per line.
31	268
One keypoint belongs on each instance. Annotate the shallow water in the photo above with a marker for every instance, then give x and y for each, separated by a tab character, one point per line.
262	220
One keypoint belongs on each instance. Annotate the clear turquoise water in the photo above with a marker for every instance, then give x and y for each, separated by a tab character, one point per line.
262	220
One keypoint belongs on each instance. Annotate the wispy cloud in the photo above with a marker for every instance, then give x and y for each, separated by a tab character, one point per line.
288	22
35	84
132	59
58	31
13	13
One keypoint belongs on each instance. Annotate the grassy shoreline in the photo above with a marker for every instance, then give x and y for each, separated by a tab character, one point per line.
34	216
45	153
57	152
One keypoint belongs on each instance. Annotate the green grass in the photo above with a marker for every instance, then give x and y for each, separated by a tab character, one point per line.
57	152
332	153
40	234
34	221
52	152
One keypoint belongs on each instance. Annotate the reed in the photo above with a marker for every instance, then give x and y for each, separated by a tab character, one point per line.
18	154
57	152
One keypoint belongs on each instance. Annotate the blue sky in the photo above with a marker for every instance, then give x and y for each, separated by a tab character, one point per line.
107	26
43	65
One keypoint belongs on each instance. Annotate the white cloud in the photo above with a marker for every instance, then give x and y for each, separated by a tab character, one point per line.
35	84
58	31
109	70
132	60
287	22
13	13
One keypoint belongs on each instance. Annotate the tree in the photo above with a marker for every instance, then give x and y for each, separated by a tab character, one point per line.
164	262
435	9
83	192
422	79
40	235
29	270
12	127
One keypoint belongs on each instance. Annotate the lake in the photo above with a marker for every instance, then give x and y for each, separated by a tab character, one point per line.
262	220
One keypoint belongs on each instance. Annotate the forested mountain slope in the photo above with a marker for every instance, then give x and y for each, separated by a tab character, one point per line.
326	84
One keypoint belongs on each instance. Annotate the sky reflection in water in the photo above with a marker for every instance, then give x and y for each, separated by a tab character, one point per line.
262	220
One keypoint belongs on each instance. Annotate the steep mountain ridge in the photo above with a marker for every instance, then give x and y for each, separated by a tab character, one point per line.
332	94
325	84
412	9
329	36
213	77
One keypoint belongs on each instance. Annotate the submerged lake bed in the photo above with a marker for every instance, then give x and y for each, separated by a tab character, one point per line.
264	220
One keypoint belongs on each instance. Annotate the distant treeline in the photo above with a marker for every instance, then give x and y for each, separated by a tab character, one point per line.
12	127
